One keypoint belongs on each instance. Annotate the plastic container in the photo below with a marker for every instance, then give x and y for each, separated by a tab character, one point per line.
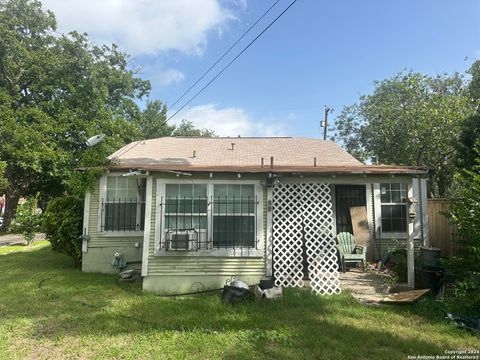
430	277
429	256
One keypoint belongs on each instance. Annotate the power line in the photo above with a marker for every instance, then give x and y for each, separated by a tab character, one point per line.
232	61
224	54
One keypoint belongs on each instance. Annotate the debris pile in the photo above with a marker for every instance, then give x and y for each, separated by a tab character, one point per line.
236	291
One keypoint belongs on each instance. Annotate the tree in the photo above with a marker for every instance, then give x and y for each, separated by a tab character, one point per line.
186	128
470	131
474	86
3	180
27	219
465	212
468	139
153	121
409	119
55	92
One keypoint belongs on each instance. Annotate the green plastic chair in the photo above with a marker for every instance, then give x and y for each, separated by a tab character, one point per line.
350	252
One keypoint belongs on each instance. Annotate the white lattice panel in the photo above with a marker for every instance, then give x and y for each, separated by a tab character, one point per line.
287	235
319	239
303	213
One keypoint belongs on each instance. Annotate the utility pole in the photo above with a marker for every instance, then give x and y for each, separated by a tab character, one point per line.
325	122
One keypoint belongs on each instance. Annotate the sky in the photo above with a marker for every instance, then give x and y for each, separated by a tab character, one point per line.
318	53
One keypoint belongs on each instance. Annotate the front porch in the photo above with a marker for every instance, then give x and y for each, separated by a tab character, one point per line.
307	216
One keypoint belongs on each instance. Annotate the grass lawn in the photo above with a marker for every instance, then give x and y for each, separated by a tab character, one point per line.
77	315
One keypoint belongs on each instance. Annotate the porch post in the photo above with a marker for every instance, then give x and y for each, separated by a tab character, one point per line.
269	232
410	242
86	221
147	226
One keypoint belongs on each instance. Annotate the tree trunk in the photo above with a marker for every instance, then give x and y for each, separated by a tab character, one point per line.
12	197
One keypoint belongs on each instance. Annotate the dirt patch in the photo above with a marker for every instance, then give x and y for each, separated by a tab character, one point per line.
367	287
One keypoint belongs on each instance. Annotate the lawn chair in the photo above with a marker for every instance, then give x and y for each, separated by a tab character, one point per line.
350	252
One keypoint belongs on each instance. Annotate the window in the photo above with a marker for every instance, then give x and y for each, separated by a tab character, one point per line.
234	216
124	204
186	206
394	207
209	216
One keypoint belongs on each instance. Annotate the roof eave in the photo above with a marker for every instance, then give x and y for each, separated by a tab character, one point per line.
328	170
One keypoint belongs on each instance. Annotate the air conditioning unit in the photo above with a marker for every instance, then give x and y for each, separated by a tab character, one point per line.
182	240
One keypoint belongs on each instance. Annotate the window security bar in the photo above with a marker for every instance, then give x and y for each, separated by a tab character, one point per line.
199	223
122	215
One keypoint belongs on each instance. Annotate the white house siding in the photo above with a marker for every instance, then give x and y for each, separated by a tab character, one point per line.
177	273
184	273
384	243
101	248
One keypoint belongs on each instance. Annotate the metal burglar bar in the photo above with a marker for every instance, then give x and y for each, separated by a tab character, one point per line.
186	223
234	222
122	215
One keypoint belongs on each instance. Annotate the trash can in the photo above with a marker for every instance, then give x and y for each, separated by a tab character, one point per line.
429	256
430	277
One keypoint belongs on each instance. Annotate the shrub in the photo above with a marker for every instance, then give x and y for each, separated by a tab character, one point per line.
28	219
63	226
465	212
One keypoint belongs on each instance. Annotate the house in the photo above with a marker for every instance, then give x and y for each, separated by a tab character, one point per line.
193	212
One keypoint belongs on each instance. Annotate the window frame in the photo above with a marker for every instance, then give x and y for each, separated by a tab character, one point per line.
390	234
159	238
101	214
218	201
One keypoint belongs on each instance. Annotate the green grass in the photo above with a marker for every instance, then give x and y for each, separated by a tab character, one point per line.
48	310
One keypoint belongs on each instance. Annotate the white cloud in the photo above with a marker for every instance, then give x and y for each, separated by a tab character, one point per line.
230	121
143	26
168	76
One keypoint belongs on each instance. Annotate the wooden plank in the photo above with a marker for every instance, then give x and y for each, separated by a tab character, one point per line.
405	297
361	230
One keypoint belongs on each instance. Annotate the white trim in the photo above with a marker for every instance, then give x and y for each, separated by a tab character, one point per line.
159	211
260	230
102	190
354	179
333	200
269	238
107	234
417	224
378	210
237	252
147	225
410	243
86	221
370	219
424	211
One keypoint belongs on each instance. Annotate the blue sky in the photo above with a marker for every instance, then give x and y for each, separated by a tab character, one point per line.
319	52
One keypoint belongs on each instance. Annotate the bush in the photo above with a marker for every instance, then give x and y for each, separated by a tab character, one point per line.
465	212
63	226
28	219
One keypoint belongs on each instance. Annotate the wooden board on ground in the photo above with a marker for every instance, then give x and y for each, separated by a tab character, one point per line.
405	297
361	230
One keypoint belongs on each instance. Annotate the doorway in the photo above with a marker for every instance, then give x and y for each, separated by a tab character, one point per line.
347	196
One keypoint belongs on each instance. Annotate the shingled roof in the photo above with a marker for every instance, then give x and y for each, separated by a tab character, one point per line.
242	154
